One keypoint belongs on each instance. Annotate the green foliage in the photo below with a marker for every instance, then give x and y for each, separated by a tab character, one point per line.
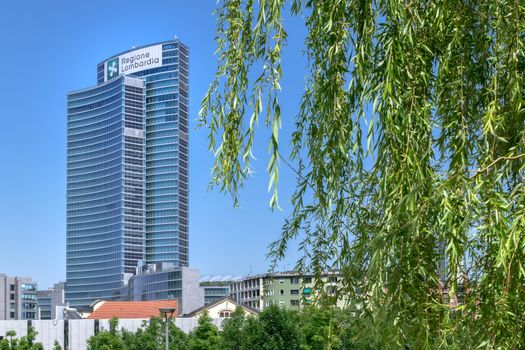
232	336
56	345
205	336
4	344
408	148
280	328
107	340
152	336
27	342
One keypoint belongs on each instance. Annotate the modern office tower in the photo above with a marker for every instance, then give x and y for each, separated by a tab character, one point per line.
18	298
105	189
127	184
164	68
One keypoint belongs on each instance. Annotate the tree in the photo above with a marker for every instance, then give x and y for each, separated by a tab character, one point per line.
27	342
4	344
321	328
205	336
56	345
232	330
107	340
409	154
280	326
151	336
253	335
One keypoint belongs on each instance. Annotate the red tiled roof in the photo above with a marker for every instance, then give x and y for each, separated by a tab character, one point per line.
131	309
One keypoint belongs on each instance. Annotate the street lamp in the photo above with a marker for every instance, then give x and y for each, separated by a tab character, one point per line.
166	311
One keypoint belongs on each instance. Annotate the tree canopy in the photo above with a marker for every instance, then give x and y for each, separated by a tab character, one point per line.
409	154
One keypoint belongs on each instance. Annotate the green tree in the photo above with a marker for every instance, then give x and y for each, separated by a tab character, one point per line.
26	342
280	326
253	335
56	345
107	340
205	336
408	149
13	342
321	328
4	344
232	330
152	336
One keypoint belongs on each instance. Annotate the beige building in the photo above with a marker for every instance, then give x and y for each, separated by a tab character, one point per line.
223	307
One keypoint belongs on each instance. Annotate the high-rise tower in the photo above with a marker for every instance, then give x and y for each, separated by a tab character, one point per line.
127	196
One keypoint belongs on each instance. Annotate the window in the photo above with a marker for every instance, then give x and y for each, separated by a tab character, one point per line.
294	280
12	287
225	313
12	297
294	292
331	290
307	280
281	280
282	291
294	302
12	315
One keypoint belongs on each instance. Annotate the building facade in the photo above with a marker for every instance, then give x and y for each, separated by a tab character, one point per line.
105	189
285	289
127	180
163	281
18	298
164	69
44	304
49	299
216	287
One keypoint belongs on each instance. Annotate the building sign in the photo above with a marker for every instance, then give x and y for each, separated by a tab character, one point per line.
112	69
134	61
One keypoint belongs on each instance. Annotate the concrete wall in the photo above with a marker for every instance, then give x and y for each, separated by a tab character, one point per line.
192	294
73	334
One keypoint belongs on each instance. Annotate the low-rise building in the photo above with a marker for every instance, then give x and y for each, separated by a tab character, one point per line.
221	308
215	287
131	309
164	281
18	298
285	289
49	299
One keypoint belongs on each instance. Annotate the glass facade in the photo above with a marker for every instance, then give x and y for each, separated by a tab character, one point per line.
105	189
157	286
214	293
44	304
166	198
127	171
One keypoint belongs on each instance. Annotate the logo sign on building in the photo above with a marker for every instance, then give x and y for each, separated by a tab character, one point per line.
134	61
112	69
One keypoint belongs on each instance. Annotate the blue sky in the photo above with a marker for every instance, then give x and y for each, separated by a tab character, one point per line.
51	47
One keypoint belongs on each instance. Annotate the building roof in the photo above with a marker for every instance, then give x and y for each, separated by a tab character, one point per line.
131	309
278	274
219	278
217	302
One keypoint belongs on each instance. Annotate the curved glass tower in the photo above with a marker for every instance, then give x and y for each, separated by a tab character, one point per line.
166	95
105	189
127	171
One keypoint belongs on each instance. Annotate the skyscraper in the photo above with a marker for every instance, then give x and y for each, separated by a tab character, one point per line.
127	197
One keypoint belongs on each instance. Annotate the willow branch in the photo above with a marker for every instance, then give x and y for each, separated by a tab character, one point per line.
497	161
